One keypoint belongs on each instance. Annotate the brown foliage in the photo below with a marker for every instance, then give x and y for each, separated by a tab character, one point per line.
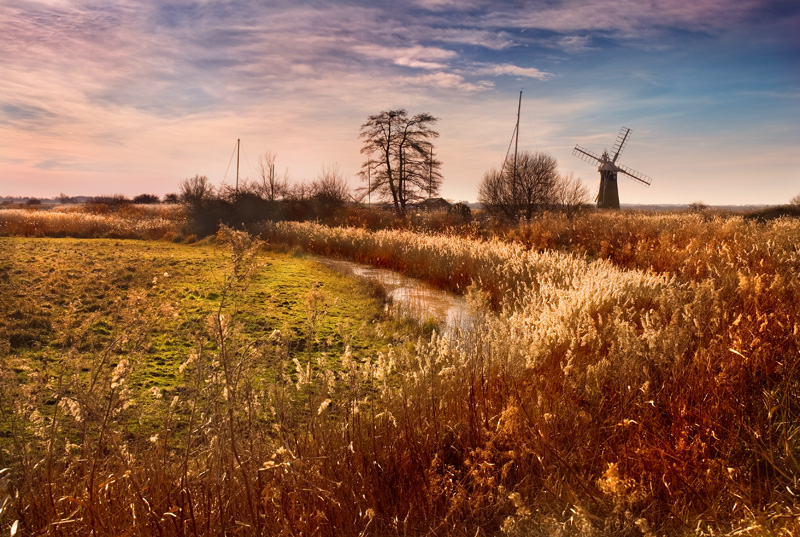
643	381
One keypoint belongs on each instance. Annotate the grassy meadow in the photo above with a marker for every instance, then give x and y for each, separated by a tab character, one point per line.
624	374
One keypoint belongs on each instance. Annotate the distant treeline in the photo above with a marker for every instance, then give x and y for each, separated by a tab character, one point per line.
116	199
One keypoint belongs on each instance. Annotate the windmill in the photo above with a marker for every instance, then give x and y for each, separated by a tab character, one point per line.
608	195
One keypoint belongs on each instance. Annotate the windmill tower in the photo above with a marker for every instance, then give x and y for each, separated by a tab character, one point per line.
608	195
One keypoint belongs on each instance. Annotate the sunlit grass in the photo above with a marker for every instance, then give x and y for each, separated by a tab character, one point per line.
91	221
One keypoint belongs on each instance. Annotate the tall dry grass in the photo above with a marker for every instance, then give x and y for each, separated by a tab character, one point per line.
586	399
671	399
152	222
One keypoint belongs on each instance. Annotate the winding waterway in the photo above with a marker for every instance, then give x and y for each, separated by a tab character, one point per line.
409	295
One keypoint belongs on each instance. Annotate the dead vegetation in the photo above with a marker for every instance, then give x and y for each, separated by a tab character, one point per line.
641	381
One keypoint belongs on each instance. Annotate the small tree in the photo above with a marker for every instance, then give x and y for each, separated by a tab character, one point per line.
196	190
571	194
795	201
331	186
400	164
698	207
461	210
524	186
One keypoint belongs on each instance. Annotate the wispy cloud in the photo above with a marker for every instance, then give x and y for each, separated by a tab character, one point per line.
25	116
452	81
417	56
627	19
490	39
515	70
573	43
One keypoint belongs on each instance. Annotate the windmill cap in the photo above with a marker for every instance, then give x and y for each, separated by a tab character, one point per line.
608	166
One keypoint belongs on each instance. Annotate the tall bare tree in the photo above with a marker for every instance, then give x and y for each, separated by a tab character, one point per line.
401	166
524	186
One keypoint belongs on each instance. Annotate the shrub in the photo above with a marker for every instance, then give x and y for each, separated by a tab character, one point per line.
146	198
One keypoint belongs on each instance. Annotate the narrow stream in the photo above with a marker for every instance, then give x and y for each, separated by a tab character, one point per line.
409	295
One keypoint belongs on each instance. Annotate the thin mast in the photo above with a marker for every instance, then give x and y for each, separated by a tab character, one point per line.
516	144
430	175
238	143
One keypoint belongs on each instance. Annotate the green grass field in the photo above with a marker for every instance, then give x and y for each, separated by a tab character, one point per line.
74	308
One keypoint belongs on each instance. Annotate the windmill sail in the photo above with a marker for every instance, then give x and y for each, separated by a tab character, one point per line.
586	155
619	144
642	178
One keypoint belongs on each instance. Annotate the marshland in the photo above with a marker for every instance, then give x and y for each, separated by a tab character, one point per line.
623	373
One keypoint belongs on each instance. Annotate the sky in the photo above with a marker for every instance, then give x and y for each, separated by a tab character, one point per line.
102	97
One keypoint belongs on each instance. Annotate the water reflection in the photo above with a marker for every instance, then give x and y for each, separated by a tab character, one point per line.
409	295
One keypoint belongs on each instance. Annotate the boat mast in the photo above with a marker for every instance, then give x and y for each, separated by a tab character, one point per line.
516	144
430	174
238	143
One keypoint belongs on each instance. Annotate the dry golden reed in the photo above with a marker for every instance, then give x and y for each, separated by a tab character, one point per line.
618	387
130	222
676	379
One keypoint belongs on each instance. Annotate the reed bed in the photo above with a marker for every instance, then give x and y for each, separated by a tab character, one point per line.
642	388
95	220
589	397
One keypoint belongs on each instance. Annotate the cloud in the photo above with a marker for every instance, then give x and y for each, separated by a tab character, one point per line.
628	19
490	39
417	56
53	164
448	81
448	5
302	69
515	70
573	43
25	116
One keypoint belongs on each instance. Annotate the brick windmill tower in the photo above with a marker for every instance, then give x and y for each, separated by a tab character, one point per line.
608	195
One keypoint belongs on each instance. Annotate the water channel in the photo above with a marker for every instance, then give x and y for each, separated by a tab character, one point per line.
409	295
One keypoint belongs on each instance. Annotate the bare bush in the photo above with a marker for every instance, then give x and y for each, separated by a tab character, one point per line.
571	195
331	186
195	190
